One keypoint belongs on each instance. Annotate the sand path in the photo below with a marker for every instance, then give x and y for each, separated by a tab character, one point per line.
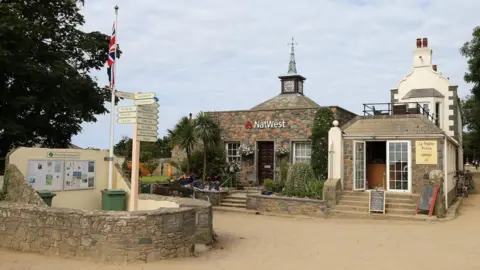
265	242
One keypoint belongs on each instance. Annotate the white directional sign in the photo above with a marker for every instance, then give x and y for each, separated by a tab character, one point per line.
149	133
125	95
146	139
147	109
144	101
147	127
153	105
127	109
144	95
126	120
147	115
127	115
147	121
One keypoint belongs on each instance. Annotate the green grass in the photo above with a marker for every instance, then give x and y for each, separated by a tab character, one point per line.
154	179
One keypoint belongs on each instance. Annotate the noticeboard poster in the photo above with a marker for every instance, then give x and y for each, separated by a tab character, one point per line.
79	174
45	174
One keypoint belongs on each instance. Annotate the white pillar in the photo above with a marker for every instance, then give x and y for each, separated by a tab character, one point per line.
335	157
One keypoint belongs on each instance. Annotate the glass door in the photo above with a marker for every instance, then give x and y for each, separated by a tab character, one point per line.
359	166
399	166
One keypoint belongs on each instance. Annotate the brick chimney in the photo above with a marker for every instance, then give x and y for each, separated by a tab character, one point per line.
422	55
434	67
419	42
425	42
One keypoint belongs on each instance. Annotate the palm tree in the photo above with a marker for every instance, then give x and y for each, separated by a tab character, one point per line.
183	135
207	131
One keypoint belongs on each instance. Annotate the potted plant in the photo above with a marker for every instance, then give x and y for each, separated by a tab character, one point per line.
282	151
246	150
268	187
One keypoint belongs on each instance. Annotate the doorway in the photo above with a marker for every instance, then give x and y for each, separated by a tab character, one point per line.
265	161
382	164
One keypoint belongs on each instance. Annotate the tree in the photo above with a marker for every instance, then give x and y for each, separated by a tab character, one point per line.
207	131
46	92
321	125
160	149
183	135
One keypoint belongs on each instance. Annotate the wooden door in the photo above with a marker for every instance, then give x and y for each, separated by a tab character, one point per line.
265	160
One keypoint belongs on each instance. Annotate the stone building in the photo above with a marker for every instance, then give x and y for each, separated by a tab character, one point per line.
282	122
395	145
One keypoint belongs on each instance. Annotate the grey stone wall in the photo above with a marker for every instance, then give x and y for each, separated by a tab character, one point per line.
203	213
286	205
332	190
213	196
103	236
16	189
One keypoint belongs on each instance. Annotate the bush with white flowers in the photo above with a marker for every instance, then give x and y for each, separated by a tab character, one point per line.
282	151
246	150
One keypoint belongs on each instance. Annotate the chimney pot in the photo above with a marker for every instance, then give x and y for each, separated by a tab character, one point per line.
190	116
419	42
434	67
425	42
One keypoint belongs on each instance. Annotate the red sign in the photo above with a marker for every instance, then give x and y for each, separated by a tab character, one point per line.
249	125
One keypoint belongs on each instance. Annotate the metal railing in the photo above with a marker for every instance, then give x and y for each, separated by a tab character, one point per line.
399	108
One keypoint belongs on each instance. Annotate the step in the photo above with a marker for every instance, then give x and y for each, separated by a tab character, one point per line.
236	205
396	205
402	196
234	210
234	199
396	211
401	200
354	198
353	203
358	215
352	208
356	193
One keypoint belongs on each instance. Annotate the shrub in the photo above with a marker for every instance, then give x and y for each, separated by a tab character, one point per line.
314	189
321	126
284	166
299	176
269	184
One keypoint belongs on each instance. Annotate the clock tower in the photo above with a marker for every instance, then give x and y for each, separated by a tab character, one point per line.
292	83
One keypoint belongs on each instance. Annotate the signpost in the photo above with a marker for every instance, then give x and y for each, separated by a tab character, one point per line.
144	117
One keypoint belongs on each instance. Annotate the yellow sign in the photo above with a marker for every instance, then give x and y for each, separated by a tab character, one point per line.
426	152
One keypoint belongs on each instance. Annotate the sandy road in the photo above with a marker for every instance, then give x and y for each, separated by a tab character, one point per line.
265	242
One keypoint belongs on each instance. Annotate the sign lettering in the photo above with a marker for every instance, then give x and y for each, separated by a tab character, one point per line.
265	124
426	152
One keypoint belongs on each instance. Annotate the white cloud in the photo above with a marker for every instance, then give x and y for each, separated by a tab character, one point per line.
225	55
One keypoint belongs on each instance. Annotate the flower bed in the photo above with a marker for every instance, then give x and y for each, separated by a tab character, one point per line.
286	205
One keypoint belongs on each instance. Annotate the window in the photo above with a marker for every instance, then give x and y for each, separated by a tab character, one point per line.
302	152
232	152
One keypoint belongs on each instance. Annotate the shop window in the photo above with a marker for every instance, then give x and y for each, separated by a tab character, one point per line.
302	152
232	152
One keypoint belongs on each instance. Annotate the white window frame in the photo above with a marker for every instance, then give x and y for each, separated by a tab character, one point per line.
354	171
230	157
409	164
294	156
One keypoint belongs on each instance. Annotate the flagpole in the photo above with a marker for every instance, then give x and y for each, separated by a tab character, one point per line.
112	110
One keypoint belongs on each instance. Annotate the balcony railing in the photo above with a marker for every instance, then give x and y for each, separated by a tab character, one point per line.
401	108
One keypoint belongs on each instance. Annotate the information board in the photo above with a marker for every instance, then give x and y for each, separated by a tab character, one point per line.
45	174
56	175
377	201
79	174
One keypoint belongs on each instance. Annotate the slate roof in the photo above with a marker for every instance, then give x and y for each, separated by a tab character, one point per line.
423	92
287	101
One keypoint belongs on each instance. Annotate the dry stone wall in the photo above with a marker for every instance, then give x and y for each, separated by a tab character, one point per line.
104	236
16	188
286	205
203	215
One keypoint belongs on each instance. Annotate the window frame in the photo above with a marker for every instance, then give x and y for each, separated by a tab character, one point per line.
294	152
229	157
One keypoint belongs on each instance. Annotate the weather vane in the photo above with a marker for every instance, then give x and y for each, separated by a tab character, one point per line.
292	43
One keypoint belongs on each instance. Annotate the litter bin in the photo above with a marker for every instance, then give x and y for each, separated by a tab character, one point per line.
46	196
113	199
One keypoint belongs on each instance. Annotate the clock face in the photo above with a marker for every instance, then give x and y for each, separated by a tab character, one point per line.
300	87
288	86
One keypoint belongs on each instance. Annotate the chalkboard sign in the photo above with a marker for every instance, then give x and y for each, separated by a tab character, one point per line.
377	201
427	199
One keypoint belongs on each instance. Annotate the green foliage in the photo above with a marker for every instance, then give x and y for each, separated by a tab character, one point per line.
269	184
321	125
208	132
298	178
284	167
46	87
314	189
127	171
150	166
183	135
216	162
162	148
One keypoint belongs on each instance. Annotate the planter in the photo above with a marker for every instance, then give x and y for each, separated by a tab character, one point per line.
266	192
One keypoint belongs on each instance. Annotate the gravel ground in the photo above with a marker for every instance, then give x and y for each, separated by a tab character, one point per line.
267	242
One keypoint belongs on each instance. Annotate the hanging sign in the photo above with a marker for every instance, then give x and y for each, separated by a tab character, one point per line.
426	152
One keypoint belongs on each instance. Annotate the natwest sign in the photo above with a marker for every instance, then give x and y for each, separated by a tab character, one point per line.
265	124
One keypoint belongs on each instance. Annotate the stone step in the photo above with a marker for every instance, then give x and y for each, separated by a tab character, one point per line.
354	198
398	211
356	193
402	196
362	203
352	208
235	199
359	215
234	210
236	205
396	205
401	200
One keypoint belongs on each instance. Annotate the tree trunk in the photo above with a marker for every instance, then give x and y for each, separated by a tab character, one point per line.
188	162
204	176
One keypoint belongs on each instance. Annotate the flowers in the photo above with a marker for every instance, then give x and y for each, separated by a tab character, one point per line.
282	151
246	150
233	167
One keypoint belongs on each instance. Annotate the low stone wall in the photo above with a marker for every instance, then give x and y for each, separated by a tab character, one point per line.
103	236
332	190
203	213
286	205
214	197
16	189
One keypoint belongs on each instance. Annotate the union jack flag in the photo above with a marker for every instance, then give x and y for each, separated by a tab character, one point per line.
111	58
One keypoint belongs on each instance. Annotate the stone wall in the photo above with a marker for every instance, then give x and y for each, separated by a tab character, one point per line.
213	196
103	236
16	188
286	205
418	170
203	212
332	190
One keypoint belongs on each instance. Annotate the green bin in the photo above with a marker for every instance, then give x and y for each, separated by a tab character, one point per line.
46	196
113	199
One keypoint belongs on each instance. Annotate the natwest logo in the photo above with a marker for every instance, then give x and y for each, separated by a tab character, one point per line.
265	124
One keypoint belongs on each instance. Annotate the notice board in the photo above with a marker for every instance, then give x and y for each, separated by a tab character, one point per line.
426	152
377	201
56	175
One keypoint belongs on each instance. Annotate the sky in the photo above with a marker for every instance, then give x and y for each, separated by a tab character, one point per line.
215	55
